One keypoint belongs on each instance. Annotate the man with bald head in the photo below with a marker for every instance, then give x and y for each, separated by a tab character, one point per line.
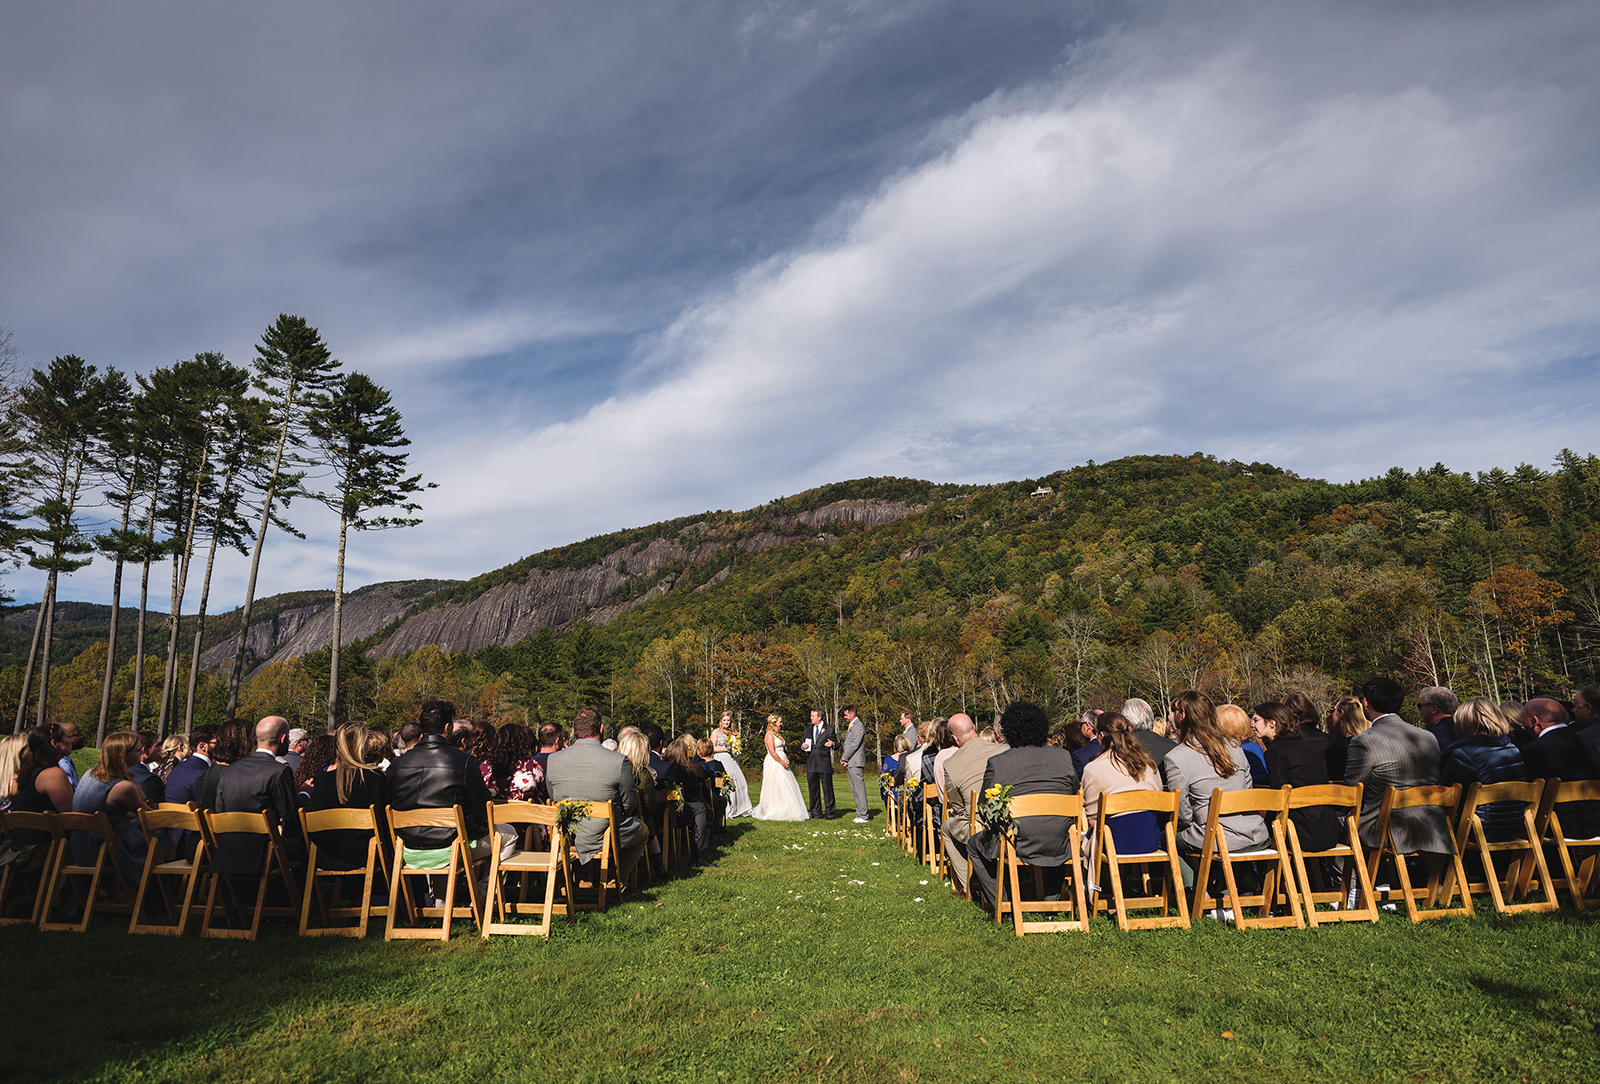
1557	751
963	773
253	784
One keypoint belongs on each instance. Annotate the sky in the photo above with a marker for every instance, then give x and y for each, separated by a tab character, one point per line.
621	262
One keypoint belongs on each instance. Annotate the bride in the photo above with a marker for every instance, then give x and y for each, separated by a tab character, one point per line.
781	799
739	800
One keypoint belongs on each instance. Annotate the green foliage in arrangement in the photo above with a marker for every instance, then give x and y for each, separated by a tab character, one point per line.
819	954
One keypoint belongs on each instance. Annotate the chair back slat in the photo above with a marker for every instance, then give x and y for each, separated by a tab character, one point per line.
1140	801
1331	794
360	819
440	817
179	817
1226	802
252	823
1419	797
1046	805
1483	793
521	813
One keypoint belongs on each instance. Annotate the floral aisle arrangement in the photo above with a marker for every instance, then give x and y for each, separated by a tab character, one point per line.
994	808
569	814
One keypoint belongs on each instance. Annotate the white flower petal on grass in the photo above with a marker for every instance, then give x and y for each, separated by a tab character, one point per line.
922	882
917	900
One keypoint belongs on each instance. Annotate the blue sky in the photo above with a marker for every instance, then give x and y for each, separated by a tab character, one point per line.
621	262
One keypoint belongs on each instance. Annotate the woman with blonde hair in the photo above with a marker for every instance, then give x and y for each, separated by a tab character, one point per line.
1234	722
109	788
173	751
1483	752
1205	759
13	752
1346	719
723	738
352	784
781	799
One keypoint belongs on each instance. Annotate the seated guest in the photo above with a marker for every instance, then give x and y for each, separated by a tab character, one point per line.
511	771
1308	720
41	787
149	783
1291	762
174	750
434	774
694	788
892	761
1559	752
1205	760
911	764
109	788
1393	753
1082	739
633	745
587	771
706	750
70	741
407	736
1585	710
1234	722
184	778
552	739
1143	720
13	754
963	774
299	740
1028	767
1125	765
354	783
1436	706
1345	721
235	741
317	756
1483	752
660	767
381	734
258	783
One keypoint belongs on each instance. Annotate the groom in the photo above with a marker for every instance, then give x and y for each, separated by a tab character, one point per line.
819	743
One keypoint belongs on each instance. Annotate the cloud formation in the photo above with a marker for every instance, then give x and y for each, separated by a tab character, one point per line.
1337	238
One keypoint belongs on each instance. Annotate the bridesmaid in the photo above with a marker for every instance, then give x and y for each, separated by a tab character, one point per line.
739	799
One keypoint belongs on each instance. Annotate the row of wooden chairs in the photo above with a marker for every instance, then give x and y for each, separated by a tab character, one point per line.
1292	891
180	881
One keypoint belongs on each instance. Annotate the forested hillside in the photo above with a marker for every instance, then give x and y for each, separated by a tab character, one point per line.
1146	575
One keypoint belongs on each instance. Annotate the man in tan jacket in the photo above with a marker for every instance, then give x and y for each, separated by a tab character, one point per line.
963	774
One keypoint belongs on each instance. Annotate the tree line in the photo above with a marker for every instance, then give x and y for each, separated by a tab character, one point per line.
169	467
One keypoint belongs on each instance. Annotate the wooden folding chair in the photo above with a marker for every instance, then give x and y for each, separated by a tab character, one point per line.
273	857
1107	862
529	861
609	875
1470	838
1578	877
932	842
1009	868
65	868
336	820
35	822
1277	883
1449	866
175	818
461	862
1350	851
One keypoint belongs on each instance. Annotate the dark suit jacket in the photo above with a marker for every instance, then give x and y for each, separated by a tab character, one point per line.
1041	841
1445	731
1291	762
1158	748
183	782
1564	754
1082	757
254	784
820	759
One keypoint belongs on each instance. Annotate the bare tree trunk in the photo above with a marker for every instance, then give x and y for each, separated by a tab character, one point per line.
111	640
27	675
44	654
237	673
338	618
200	625
180	580
144	605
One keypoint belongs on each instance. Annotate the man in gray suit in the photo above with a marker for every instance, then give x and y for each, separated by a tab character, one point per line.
588	771
1393	753
854	755
963	774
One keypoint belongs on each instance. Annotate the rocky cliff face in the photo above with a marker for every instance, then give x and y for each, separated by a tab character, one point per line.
513	611
310	628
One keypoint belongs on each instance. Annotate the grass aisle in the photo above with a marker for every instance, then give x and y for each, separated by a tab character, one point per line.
812	952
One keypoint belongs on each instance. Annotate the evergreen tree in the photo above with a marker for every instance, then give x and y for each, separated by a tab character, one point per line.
292	368
358	430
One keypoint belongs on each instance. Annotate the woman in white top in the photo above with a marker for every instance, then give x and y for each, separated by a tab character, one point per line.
739	796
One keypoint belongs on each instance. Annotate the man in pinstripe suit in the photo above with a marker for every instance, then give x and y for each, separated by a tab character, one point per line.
1393	753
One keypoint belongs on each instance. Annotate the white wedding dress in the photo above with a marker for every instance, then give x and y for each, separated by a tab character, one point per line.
781	799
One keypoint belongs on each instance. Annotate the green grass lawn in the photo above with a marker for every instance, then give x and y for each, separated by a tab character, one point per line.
812	952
